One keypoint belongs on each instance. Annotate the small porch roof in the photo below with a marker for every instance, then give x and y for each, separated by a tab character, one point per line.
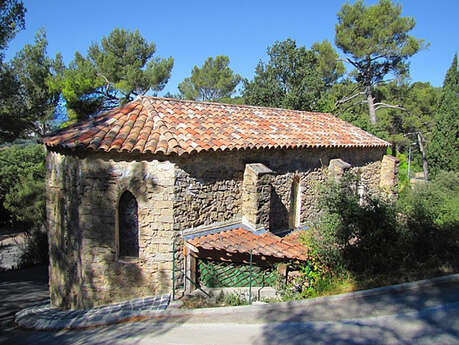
242	241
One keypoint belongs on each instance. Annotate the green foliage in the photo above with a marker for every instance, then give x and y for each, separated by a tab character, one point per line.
398	126
11	123
120	67
11	21
22	172
403	178
435	203
305	280
355	234
28	107
212	82
376	31
419	101
432	220
330	68
443	151
376	38
372	236
235	299
291	79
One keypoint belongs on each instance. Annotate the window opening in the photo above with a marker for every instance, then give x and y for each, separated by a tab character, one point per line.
295	203
128	225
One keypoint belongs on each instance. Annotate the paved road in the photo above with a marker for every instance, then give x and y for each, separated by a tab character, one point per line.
427	316
19	290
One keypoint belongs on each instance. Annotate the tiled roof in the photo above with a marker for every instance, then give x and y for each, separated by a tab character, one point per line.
240	240
170	126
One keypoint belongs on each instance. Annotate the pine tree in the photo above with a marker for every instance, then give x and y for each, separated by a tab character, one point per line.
290	79
376	43
212	82
444	146
119	68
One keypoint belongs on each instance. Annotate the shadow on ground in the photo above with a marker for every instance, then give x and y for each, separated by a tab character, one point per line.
123	333
29	287
412	317
21	289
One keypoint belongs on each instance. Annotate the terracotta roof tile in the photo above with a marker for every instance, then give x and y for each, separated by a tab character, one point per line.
170	126
240	240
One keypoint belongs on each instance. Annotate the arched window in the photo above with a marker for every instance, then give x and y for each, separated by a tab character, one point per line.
295	203
128	226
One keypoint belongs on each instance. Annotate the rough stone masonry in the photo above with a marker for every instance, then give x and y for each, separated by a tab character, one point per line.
175	194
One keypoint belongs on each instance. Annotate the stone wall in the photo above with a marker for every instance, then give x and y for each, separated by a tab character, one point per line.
388	180
82	207
209	186
172	195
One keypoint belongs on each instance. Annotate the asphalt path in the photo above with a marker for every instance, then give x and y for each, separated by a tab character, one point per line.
19	290
413	316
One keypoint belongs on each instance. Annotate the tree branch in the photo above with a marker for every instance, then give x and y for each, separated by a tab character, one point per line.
377	57
353	63
107	87
351	106
347	99
384	105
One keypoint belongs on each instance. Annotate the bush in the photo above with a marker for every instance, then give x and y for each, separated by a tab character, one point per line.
372	236
354	233
431	213
307	281
436	202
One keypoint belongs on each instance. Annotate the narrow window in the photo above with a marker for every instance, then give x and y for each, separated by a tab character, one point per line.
295	203
128	226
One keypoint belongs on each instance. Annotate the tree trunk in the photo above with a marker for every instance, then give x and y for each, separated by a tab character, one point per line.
371	105
424	157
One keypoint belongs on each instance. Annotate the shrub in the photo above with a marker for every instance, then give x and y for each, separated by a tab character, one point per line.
372	236
431	214
354	233
436	202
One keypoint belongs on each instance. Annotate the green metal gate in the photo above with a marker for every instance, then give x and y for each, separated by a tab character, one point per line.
218	274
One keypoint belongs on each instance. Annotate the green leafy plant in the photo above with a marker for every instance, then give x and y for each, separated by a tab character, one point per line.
235	299
360	234
431	214
302	281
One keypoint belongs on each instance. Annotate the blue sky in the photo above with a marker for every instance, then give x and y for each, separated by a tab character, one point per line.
191	31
